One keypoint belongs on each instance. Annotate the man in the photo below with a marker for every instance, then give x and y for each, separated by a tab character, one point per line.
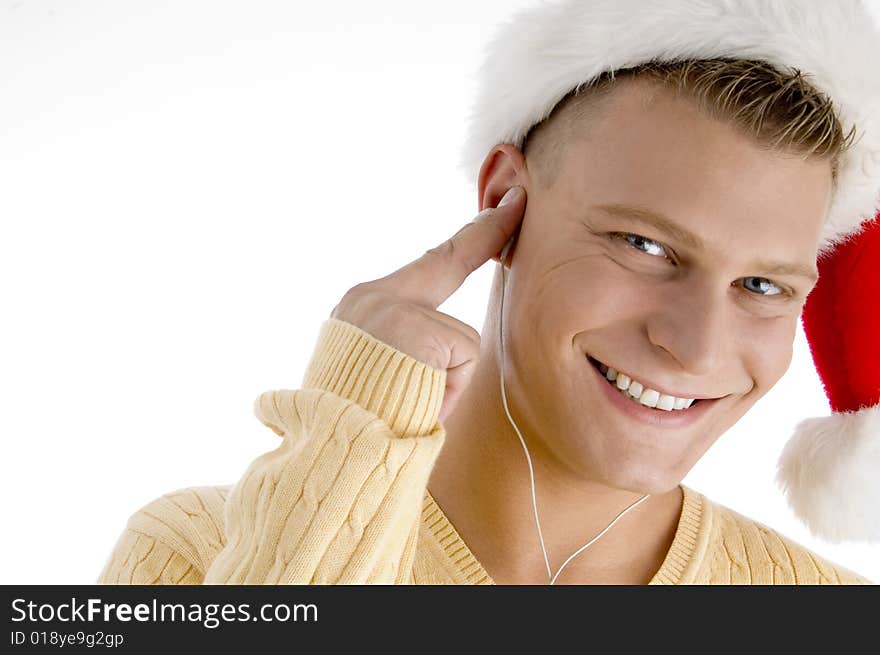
664	229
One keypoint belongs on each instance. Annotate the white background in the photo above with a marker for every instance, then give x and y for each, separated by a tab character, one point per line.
188	188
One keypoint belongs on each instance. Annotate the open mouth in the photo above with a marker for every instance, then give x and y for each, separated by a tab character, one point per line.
599	367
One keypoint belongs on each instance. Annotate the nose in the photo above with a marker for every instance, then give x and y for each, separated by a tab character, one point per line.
692	326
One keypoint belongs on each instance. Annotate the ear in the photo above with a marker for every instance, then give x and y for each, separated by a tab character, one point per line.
504	167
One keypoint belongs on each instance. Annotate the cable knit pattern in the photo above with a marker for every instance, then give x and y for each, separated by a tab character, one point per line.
344	499
338	502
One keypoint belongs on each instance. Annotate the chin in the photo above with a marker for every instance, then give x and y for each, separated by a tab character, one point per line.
652	481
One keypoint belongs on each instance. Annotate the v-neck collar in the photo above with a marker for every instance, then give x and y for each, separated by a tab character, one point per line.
679	566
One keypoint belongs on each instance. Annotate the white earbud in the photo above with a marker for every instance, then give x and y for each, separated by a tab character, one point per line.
504	253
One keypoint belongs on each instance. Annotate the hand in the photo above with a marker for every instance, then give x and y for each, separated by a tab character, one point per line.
401	308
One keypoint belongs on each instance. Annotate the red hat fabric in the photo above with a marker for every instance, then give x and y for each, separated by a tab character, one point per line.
830	469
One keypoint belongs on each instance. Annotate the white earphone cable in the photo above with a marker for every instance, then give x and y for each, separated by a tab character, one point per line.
552	578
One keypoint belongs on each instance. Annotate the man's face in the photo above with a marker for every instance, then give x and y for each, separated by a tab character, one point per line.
710	322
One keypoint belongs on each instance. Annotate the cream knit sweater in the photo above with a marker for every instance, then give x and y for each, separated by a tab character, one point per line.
343	499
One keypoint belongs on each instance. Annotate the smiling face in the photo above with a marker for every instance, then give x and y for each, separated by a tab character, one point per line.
701	317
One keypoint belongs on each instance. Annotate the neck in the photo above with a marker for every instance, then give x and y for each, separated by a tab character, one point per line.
481	482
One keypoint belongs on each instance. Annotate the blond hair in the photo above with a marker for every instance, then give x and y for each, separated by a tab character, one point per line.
778	109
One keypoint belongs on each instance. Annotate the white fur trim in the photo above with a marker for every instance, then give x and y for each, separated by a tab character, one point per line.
829	472
544	52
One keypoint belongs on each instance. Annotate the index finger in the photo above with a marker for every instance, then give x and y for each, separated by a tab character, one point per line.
436	275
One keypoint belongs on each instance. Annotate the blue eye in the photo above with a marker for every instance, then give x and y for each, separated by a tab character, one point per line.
637	241
763	288
764	283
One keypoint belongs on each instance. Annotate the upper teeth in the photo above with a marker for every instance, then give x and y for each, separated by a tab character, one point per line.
637	391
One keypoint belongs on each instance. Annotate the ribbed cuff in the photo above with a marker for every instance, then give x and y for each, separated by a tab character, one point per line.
405	393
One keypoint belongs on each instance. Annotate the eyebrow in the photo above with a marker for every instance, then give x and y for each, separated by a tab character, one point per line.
670	228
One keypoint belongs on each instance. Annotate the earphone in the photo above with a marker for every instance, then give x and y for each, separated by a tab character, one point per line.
552	578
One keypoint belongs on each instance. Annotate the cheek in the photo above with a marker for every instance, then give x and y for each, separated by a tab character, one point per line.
590	291
768	352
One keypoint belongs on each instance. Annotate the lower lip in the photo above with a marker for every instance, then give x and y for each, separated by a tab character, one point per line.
657	418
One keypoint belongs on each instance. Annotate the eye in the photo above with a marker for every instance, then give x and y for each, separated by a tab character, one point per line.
764	284
642	244
764	287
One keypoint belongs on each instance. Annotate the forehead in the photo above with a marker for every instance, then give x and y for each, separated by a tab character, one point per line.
642	145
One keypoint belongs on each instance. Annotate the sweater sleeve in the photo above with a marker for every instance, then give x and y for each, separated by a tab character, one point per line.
141	559
339	500
170	540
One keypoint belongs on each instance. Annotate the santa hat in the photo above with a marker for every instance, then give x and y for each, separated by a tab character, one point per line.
830	469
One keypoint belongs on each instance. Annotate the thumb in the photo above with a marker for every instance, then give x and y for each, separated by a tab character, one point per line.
508	216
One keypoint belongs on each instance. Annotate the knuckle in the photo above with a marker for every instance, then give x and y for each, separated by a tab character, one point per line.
451	256
358	289
445	249
395	317
347	308
396	312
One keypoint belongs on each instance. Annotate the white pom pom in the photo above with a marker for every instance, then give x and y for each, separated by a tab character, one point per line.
830	473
